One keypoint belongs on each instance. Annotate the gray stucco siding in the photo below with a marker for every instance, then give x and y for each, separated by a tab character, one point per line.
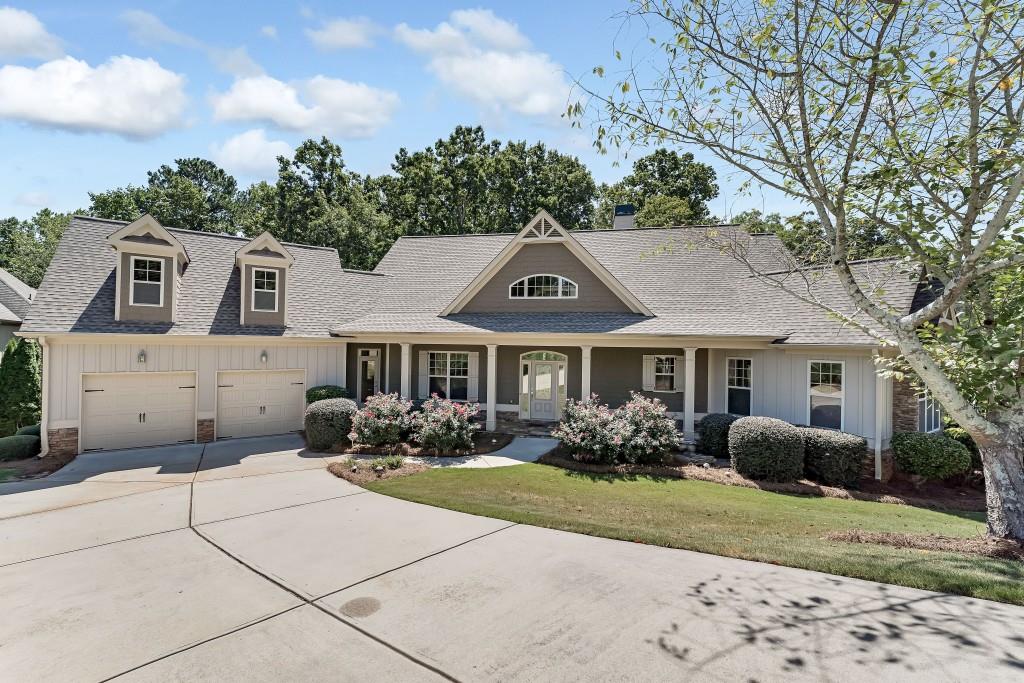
617	371
164	313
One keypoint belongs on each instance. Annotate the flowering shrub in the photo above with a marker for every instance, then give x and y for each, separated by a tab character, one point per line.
445	426
381	421
638	432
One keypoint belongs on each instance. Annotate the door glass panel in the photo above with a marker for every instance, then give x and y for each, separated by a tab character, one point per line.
369	379
542	382
524	390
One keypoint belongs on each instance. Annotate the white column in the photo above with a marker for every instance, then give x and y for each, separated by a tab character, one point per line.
879	415
343	366
585	370
690	356
492	387
406	369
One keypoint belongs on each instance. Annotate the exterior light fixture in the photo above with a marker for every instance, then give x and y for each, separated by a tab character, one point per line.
142	355
263	357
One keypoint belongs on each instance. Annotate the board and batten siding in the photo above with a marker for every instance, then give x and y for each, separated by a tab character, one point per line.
324	363
781	384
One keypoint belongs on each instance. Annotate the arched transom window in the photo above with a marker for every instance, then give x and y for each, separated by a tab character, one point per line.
542	287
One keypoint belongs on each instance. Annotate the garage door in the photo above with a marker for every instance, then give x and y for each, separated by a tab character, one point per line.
260	402
138	409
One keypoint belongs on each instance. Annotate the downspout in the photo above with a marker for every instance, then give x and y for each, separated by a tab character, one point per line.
44	408
879	416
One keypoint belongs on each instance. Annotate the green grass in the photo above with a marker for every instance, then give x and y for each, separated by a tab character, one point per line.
723	520
6	473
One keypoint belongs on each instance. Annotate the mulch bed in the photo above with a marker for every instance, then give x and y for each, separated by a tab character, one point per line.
483	442
34	467
999	548
364	473
971	501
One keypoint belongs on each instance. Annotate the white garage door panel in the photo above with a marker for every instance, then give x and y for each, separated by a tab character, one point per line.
137	409
260	402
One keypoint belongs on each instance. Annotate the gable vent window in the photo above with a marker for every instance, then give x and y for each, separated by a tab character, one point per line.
543	287
147	282
264	290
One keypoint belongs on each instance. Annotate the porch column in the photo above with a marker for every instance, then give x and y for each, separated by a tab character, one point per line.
585	369
690	388
406	371
492	387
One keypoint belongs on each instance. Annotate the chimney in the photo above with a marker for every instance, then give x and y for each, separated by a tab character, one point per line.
625	217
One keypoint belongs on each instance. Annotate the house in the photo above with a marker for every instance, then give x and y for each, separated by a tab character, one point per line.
15	299
155	335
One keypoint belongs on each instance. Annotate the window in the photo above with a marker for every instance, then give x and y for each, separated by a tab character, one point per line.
147	282
264	290
448	374
825	401
929	413
664	373
542	287
739	385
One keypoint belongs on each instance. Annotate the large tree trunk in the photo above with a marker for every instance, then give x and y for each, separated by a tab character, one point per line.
1003	463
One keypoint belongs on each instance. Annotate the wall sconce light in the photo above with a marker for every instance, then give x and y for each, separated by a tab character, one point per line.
263	357
142	355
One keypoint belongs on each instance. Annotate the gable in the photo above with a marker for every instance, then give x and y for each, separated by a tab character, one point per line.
549	258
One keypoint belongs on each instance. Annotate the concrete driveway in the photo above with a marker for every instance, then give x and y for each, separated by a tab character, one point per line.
246	560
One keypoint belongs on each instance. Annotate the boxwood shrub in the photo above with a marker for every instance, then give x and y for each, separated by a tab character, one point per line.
33	430
932	456
960	435
766	448
325	391
833	458
328	422
713	434
19	446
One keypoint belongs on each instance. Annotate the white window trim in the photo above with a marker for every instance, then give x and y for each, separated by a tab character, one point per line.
675	361
561	278
448	375
729	386
277	290
926	398
842	395
163	279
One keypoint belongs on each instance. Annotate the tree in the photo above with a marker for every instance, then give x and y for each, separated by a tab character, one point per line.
808	241
903	115
26	247
20	385
662	176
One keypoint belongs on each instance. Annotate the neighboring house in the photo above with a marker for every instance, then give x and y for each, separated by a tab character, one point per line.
15	299
156	335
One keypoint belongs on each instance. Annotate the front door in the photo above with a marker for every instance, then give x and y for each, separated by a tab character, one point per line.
367	378
544	398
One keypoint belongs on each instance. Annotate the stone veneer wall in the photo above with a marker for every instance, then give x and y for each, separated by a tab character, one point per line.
904	407
63	441
204	430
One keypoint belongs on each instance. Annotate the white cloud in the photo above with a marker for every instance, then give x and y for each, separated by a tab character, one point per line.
23	35
149	30
487	60
316	105
132	97
340	34
269	31
250	153
32	199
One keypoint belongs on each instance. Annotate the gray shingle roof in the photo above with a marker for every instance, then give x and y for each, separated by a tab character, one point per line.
77	293
15	298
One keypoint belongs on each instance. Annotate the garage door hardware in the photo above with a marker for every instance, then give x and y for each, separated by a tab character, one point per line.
142	418
191	386
224	386
89	391
298	382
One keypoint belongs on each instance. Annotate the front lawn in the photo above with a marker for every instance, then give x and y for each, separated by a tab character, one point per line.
723	520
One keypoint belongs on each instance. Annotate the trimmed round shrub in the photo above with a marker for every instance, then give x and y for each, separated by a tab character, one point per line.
932	456
713	434
766	448
19	446
960	435
642	431
33	430
444	425
328	422
325	391
833	458
586	430
382	421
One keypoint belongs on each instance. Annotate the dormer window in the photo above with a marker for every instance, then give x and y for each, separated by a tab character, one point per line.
264	290
543	287
147	282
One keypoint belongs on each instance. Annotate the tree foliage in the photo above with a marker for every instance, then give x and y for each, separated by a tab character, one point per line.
20	388
26	247
808	240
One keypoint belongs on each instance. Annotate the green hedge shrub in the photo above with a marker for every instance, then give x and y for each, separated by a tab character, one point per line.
713	434
20	385
833	458
324	392
19	446
932	456
960	435
328	422
766	448
31	430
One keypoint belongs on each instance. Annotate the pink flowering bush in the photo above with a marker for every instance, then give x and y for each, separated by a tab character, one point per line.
639	432
444	425
381	421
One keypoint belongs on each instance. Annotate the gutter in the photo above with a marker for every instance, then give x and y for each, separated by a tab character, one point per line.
44	407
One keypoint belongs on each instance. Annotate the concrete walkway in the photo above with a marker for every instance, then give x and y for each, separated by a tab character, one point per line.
246	560
521	449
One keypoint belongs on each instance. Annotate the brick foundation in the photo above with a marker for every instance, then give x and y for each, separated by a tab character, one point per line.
888	465
204	430
62	442
904	407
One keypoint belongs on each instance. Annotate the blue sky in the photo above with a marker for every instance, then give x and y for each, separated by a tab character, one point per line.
92	95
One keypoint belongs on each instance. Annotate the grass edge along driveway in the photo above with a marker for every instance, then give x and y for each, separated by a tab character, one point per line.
723	520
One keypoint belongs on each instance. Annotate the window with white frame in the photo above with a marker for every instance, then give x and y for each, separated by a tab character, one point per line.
929	413
664	373
448	373
542	287
264	290
147	282
739	385
826	398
